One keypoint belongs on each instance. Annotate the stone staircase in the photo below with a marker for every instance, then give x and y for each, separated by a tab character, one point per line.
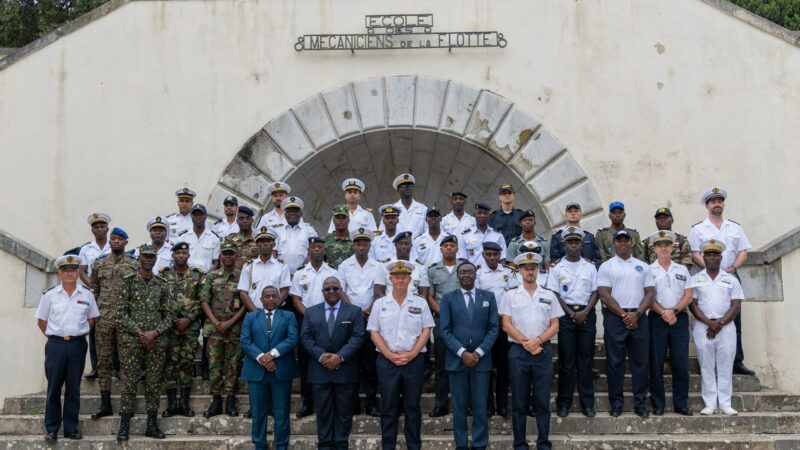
768	419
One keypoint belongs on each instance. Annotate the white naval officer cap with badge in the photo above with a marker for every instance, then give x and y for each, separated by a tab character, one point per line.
98	218
353	183
66	261
662	236
402	179
292	202
572	233
361	233
280	186
185	192
715	192
529	258
155	222
712	245
396	267
265	232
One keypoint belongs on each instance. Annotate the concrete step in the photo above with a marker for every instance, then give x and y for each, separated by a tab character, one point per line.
766	400
444	442
741	383
603	423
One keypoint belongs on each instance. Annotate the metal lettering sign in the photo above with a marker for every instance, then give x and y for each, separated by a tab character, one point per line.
400	31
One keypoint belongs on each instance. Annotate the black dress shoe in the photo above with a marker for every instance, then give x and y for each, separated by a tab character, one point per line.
643	412
91	375
684	411
658	412
588	411
503	412
490	412
248	414
438	412
305	411
616	412
562	411
76	436
741	369
531	412
469	411
51	437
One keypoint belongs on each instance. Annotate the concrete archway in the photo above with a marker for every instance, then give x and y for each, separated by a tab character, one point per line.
450	136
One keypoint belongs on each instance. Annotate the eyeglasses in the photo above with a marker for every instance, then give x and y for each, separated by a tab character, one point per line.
331	289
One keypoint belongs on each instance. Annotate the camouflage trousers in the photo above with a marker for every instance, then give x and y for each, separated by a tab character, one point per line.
105	335
181	351
225	359
135	357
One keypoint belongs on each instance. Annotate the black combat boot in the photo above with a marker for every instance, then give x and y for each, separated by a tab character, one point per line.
172	403
215	409
152	426
124	423
105	406
185	410
230	406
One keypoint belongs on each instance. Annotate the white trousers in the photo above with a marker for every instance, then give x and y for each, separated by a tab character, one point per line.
716	355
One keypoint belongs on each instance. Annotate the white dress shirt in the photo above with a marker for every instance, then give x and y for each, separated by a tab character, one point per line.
470	244
427	249
419	276
400	325
67	315
714	296
411	219
382	248
274	221
90	252
307	283
203	250
452	225
730	233
574	281
222	228
177	223
257	274
496	281
670	284
530	314
292	244
627	279
361	218
359	282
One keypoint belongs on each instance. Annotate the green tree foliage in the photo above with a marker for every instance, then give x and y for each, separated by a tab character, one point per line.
22	21
785	13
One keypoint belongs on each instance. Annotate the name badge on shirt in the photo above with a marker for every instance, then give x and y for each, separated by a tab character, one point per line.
639	268
485	304
544	300
680	277
414	310
82	302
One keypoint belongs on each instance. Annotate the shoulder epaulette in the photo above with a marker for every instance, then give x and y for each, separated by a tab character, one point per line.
588	260
510	266
215	234
301	267
602	229
161	278
183	232
368	209
632	229
515	239
172	215
478	267
698	223
130	275
161	270
329	265
431	266
198	269
737	223
377	233
420	262
544	239
281	261
44	291
466	230
556	262
385	260
218	221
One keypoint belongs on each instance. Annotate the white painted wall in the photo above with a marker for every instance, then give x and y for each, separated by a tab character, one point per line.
657	101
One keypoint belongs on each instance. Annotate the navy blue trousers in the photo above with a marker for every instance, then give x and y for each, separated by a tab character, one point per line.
636	343
469	386
575	356
263	394
500	376
401	385
63	366
441	382
537	370
334	413
676	338
92	350
367	372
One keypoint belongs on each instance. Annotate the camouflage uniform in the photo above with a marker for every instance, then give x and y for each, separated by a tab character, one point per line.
681	251
246	249
142	306
225	355
107	272
182	348
337	250
605	239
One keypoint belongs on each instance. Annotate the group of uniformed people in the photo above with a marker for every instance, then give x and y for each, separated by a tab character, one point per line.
357	308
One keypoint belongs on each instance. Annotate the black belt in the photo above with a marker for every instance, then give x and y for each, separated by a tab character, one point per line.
67	338
630	309
577	307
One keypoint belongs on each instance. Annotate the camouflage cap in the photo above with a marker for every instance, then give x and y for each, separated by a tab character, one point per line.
341	209
227	247
148	249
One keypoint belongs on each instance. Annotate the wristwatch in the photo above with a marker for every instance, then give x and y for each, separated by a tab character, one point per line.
638	314
676	311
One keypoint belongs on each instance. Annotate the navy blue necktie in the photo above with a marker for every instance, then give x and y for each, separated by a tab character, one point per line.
470	304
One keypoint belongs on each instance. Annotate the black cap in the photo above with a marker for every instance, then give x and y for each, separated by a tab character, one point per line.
448	238
505	187
527	213
484	206
572	205
492	246
403	235
433	209
246	210
453	194
199	207
230	199
180	246
315	240
663	211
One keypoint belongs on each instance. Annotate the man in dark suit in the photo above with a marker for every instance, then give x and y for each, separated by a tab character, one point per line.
268	337
469	328
332	334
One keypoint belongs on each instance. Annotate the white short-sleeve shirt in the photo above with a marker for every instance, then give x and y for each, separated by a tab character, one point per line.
411	219
574	281
203	250
497	281
400	325
361	218
307	283
90	252
670	284
627	279
714	296
359	282
427	249
382	248
257	274
67	315
178	223
453	225
419	276
530	314
730	233
222	228
292	244
470	244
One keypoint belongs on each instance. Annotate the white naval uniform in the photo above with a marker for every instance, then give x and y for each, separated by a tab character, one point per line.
90	252
427	249
717	354
67	315
163	256
670	284
496	281
274	221
222	228
411	219
400	325
419	276
358	282
452	225
530	314
574	281
362	218
627	279
203	250
730	233
470	244
307	283
292	244
382	248
178	222
257	274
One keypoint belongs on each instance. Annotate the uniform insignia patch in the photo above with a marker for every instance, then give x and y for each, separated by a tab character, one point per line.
680	277
639	268
565	288
544	300
414	310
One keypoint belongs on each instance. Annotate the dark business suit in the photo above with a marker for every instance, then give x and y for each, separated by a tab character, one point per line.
333	390
265	386
471	332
